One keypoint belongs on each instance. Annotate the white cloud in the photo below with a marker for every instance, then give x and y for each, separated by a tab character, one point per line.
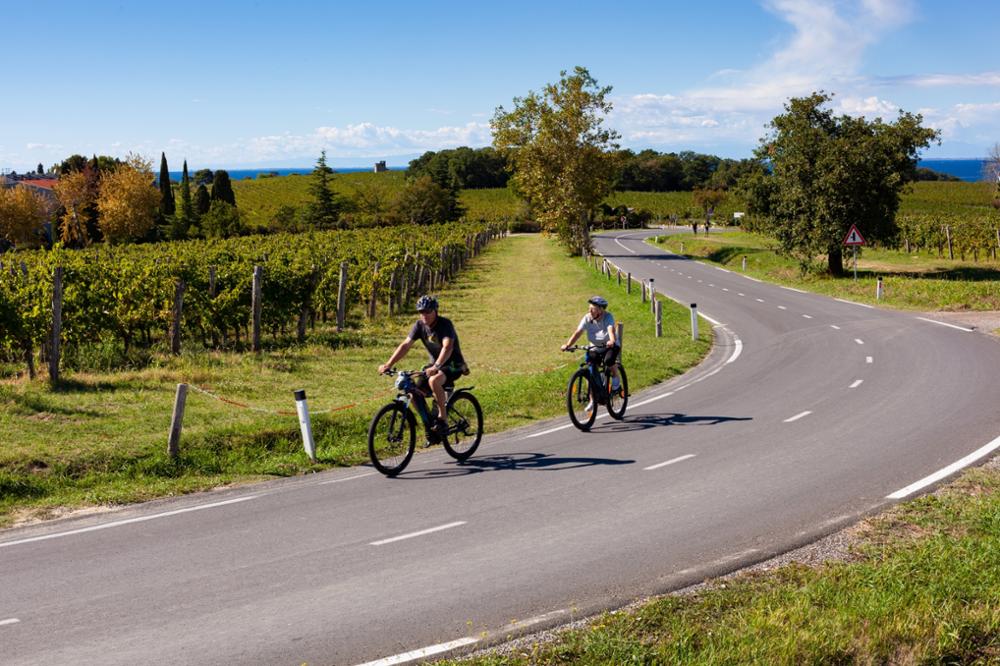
946	80
868	106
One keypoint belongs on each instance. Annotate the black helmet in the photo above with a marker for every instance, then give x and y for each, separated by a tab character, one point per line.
427	302
599	301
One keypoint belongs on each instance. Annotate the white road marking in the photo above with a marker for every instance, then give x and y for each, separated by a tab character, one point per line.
859	341
350	478
725	289
941	323
754	279
669	462
740	293
807	316
699	281
722	269
736	352
646	402
835	327
710	284
623	247
794	289
413	655
416	534
710	319
782	307
798	416
550	430
856	383
119	523
760	300
690	277
864	305
12	620
940	474
869	359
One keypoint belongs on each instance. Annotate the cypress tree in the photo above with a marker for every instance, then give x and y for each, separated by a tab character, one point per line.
167	205
185	214
202	201
222	189
323	211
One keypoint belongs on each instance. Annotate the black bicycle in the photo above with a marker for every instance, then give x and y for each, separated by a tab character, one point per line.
592	385
392	435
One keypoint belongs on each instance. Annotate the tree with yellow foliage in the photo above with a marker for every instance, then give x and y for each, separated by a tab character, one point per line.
23	212
77	191
128	201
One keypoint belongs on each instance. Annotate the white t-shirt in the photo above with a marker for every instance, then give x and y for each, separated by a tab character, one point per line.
597	331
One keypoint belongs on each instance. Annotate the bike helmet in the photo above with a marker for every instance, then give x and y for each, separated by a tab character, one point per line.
427	302
599	301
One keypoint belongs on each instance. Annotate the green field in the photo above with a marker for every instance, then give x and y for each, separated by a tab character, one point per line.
100	439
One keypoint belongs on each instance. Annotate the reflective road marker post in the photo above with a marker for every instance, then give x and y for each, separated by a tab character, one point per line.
307	435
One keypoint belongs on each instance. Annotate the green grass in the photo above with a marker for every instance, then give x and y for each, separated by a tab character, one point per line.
101	438
920	587
915	282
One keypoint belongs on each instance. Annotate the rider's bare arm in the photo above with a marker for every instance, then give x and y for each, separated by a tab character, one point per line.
400	352
447	347
572	339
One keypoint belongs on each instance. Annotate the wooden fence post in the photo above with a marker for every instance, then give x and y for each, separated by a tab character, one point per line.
258	277
342	296
57	300
947	233
628	284
173	441
374	294
175	329
659	319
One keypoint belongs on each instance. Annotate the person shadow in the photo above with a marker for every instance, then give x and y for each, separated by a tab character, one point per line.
647	421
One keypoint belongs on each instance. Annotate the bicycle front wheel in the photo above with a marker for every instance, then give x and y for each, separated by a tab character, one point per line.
465	425
392	436
618	400
580	400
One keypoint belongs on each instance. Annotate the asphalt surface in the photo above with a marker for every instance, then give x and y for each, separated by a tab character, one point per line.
809	413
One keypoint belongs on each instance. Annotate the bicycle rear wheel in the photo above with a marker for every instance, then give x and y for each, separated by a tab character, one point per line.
618	400
465	425
392	437
580	400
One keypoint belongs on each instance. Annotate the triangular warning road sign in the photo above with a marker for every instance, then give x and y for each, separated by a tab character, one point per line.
854	237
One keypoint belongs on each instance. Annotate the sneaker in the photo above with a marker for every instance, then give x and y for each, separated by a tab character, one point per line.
441	428
590	407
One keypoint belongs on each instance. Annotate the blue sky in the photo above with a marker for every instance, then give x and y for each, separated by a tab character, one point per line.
266	83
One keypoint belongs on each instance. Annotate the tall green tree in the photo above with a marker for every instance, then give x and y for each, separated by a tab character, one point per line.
202	201
185	214
323	212
827	173
564	162
423	201
222	188
167	204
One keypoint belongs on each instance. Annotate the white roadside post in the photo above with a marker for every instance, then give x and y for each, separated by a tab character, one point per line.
878	289
652	296
694	321
744	264
307	435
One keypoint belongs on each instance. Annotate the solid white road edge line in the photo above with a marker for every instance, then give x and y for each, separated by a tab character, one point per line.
12	620
798	416
422	652
736	352
754	279
646	402
940	474
669	462
350	478
416	534
623	247
941	323
119	523
856	383
864	305
794	289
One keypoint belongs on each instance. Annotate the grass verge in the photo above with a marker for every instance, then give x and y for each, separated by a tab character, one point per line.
101	438
919	586
915	282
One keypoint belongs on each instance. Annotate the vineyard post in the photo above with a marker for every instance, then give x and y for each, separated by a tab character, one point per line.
371	302
342	296
173	440
947	233
57	299
175	329
211	295
628	284
258	276
642	285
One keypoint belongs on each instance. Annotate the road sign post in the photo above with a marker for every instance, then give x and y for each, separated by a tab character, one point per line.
854	239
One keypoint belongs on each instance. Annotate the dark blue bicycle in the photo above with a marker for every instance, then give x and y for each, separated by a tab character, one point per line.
592	385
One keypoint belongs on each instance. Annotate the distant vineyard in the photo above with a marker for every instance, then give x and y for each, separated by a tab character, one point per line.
133	294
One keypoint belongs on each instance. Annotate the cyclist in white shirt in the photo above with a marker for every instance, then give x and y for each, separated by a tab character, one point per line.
599	324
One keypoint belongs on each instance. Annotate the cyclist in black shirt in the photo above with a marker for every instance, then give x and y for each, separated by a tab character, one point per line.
439	337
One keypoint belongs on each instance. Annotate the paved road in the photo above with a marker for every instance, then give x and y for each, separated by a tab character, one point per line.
808	413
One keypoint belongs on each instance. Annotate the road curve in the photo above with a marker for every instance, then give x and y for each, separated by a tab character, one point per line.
808	413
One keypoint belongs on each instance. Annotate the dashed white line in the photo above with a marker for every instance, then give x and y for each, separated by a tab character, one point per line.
710	284
413	655
119	523
940	474
869	359
782	307
835	327
740	293
350	478
859	341
941	323
12	620
856	383
798	416
669	462
760	300
416	534
807	316
725	289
